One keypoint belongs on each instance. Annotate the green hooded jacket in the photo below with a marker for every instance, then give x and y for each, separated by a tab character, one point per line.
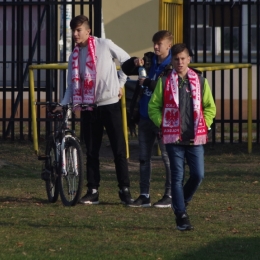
155	106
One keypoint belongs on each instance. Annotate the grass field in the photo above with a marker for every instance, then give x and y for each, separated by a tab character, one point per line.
225	212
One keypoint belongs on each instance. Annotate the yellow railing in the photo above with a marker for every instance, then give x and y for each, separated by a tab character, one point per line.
171	18
231	66
200	66
62	66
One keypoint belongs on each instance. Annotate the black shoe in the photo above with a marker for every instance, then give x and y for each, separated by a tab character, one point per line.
125	196
90	198
183	222
165	202
141	201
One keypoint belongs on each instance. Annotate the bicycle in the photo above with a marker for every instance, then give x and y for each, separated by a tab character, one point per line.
63	159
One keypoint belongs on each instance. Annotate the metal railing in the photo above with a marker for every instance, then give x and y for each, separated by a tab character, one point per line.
200	66
228	32
207	19
35	32
225	66
62	66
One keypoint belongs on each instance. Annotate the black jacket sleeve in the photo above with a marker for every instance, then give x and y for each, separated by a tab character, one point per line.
151	84
129	68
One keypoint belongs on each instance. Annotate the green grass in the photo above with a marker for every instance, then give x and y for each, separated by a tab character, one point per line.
225	212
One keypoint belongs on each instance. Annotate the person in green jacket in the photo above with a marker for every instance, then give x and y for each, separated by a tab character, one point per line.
183	107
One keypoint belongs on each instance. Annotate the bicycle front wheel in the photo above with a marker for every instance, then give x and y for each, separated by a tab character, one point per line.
71	177
51	182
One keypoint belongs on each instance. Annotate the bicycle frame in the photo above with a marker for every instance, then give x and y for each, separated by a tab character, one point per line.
65	162
61	132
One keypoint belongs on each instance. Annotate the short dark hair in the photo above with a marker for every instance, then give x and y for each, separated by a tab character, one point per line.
78	21
178	48
164	34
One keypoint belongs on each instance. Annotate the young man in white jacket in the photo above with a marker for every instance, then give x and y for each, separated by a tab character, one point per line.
93	78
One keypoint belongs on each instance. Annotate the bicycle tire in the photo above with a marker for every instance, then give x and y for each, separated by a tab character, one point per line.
52	184
71	183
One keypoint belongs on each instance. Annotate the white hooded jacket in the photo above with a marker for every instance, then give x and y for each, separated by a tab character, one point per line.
108	79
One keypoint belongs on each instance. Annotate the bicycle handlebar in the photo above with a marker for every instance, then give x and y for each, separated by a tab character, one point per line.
70	105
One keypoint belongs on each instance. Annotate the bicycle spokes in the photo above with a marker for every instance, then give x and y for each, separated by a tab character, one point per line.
72	180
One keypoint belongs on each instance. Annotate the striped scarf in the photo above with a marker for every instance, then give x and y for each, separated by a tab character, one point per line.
84	91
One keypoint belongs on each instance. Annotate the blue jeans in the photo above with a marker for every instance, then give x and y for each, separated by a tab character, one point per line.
147	134
194	155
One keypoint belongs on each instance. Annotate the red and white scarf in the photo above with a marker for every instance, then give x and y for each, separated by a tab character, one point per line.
84	90
171	121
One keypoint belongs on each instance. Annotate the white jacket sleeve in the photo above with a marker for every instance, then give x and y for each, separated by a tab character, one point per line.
119	54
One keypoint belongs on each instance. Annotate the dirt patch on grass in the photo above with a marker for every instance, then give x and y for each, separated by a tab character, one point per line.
106	156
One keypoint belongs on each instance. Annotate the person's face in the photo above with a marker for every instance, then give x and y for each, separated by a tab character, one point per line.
180	63
80	35
162	47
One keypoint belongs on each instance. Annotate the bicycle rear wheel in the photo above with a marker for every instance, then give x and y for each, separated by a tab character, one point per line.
71	182
51	183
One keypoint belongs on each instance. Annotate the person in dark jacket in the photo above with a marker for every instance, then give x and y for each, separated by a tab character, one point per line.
156	64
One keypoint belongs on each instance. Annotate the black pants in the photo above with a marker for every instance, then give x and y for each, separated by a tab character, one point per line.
110	117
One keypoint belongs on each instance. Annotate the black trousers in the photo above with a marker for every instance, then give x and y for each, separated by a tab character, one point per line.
110	117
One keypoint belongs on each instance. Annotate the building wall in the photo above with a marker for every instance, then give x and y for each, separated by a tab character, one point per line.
131	24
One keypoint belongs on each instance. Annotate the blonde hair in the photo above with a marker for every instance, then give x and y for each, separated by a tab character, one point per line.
160	35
